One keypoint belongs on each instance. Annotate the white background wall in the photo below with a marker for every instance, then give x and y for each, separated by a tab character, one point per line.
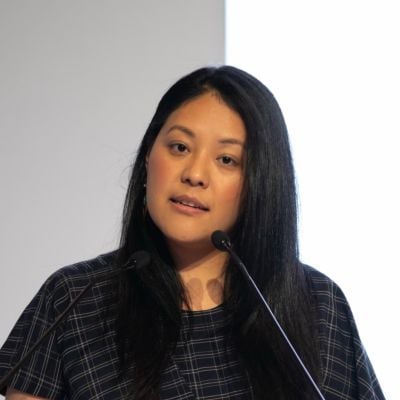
334	68
79	81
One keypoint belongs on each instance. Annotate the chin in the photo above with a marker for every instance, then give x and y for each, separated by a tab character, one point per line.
190	239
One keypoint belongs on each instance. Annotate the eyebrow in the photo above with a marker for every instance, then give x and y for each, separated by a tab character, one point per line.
191	134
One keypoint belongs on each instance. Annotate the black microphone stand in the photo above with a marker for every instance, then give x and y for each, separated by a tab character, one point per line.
222	242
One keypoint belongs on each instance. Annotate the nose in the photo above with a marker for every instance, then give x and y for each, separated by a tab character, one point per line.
195	172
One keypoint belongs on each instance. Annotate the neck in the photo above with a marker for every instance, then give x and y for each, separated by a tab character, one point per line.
202	271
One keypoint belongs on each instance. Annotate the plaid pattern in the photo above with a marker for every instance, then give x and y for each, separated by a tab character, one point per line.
347	371
207	362
80	360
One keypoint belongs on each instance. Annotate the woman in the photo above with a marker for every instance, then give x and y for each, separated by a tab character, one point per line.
215	157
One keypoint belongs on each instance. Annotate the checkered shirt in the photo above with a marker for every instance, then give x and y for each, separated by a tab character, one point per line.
80	360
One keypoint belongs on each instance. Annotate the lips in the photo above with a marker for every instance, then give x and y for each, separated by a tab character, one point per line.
189	202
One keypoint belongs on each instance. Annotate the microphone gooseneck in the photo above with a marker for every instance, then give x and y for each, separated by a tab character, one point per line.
221	242
136	261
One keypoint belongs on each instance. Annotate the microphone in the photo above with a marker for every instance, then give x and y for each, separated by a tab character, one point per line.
221	241
136	261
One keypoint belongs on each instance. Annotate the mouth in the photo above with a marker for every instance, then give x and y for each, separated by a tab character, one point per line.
189	202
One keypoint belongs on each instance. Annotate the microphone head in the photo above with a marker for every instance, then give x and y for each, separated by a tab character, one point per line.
221	240
138	260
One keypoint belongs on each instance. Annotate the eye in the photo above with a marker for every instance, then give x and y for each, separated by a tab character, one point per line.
228	161
178	148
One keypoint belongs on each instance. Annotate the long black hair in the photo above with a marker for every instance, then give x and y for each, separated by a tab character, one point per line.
265	237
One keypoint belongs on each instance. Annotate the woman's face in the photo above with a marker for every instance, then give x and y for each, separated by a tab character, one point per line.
195	171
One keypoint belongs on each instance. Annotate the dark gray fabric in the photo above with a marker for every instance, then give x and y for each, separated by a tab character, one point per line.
80	360
207	361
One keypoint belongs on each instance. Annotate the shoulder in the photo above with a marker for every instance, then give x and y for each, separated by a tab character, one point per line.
92	269
84	336
318	279
334	318
346	367
346	370
324	290
66	282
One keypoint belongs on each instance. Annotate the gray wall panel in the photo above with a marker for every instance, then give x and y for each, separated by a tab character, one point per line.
79	81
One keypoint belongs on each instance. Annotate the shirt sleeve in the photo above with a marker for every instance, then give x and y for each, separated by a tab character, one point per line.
41	375
367	384
347	373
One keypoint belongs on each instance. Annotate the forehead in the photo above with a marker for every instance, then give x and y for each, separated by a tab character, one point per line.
208	114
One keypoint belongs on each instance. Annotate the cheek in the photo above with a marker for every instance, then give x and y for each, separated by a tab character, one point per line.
160	176
156	172
230	197
232	193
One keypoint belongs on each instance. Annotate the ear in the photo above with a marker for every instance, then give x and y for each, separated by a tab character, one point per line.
147	161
